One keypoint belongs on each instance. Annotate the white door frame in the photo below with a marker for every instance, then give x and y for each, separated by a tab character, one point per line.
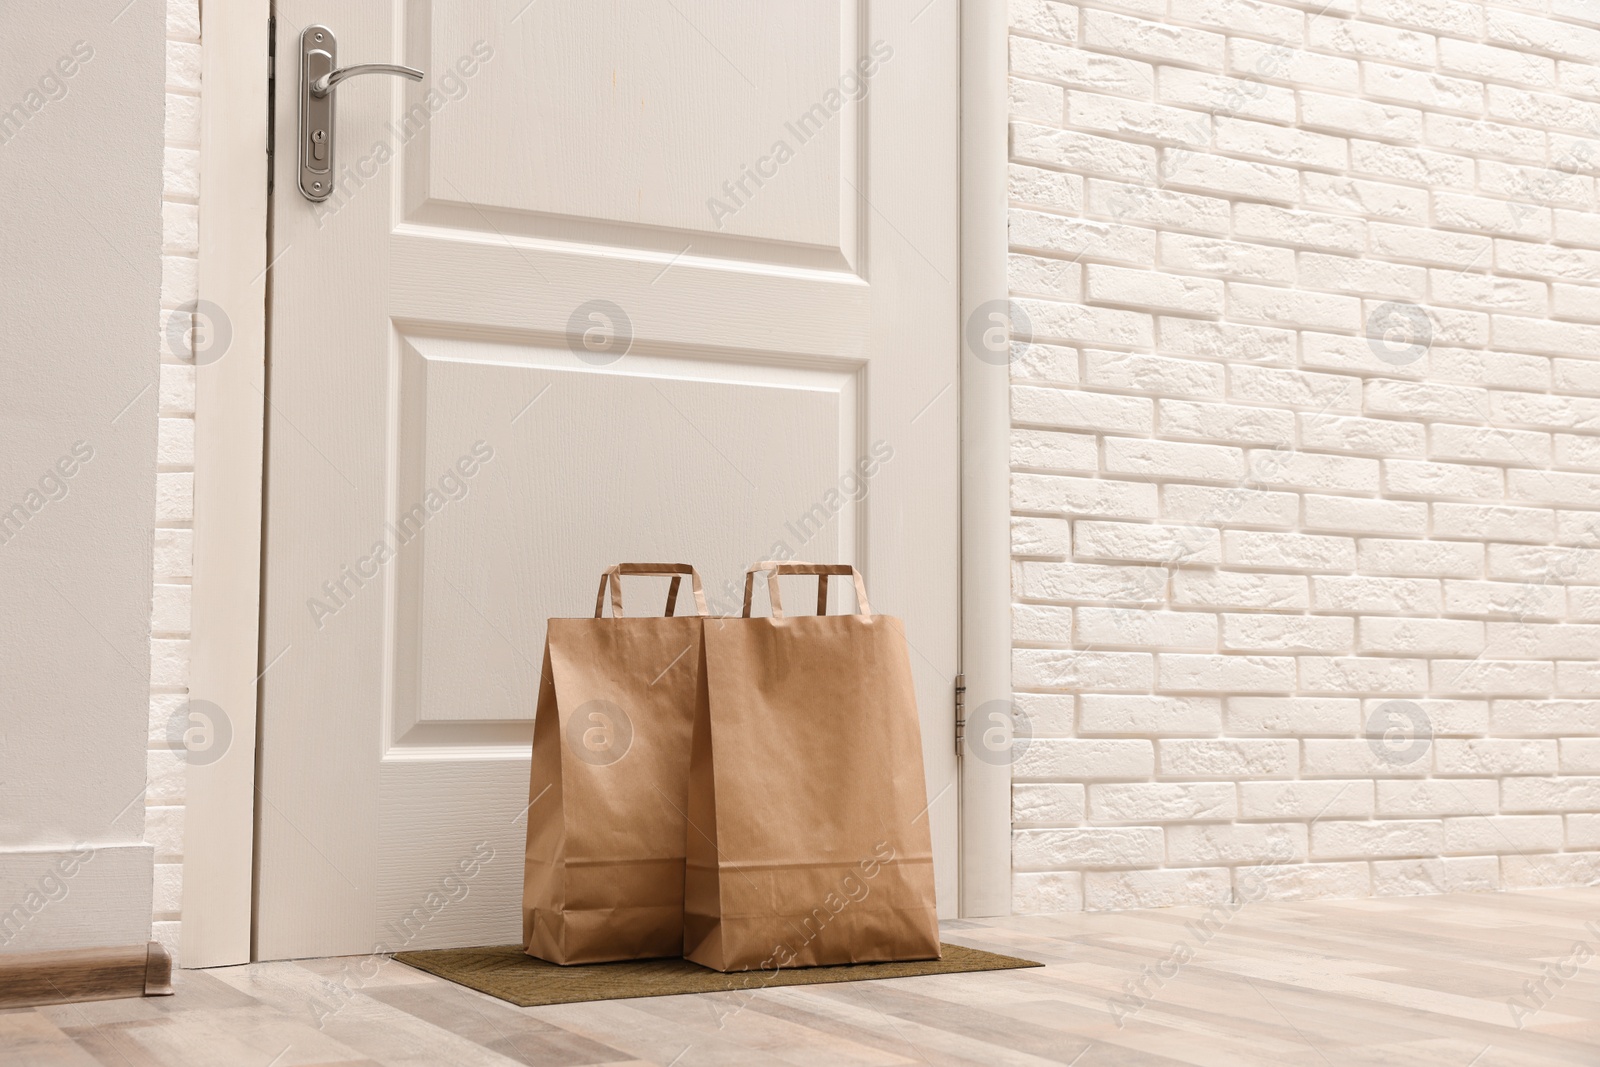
226	660
224	654
984	834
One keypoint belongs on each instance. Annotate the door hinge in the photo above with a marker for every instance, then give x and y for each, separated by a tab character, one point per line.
272	95
961	712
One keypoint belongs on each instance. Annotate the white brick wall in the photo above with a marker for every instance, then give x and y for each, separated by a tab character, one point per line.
1306	447
174	542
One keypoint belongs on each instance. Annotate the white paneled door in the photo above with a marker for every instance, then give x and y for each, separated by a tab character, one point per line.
618	280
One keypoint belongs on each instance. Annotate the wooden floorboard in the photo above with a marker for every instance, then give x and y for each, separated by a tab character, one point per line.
1420	981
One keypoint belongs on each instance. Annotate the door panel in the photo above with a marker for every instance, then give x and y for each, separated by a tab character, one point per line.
620	131
521	343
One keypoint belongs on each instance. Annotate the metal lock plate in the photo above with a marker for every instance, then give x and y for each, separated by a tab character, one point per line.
319	55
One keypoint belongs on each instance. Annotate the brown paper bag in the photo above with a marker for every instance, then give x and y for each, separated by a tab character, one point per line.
604	873
808	827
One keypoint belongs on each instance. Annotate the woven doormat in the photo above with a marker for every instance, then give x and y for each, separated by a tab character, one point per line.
507	972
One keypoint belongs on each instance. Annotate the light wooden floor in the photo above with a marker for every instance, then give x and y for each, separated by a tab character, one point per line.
1422	981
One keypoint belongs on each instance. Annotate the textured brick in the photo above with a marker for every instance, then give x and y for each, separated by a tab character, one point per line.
1136	626
1447	717
1435	797
1052	279
1367	118
1205	844
1045	18
1082	496
1365	758
1112	713
1162	207
1129	455
1494	755
1047	189
1520	599
1422	637
1350	433
1217	673
1236	589
1083	581
1346	274
1221	175
1224	96
1110	114
1384	838
1550	794
1364	594
1422	877
1044	892
1041	668
1414	477
1294	716
1445	559
1052	451
1360	515
1306	450
1568	869
1147	542
1275	307
1073	409
1280	144
1334	233
1214	256
1073	758
1207	504
1070	237
1080	69
1422	88
1122	890
1150	802
1491	61
1492	677
1493	443
1304	470
1303	881
1306	800
1275	62
1037	362
1228	759
1353	674
1251	548
1084	847
1215	340
1048	803
1122	35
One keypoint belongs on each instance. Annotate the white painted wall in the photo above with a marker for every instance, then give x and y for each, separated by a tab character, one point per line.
80	195
1246	525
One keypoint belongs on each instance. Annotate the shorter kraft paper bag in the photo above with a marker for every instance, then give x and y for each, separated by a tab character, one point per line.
603	878
808	826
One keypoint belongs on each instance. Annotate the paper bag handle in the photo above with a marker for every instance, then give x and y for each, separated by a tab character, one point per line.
773	568
613	576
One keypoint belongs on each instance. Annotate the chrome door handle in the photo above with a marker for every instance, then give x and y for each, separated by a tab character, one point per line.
322	85
319	74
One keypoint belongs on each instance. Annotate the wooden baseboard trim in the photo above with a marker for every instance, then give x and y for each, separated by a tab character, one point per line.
85	974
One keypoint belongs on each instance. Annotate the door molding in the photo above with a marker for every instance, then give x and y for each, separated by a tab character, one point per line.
985	819
224	653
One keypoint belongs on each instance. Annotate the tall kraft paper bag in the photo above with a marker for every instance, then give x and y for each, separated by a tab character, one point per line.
808	829
604	873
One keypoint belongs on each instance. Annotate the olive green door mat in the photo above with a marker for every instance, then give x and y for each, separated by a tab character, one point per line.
507	972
